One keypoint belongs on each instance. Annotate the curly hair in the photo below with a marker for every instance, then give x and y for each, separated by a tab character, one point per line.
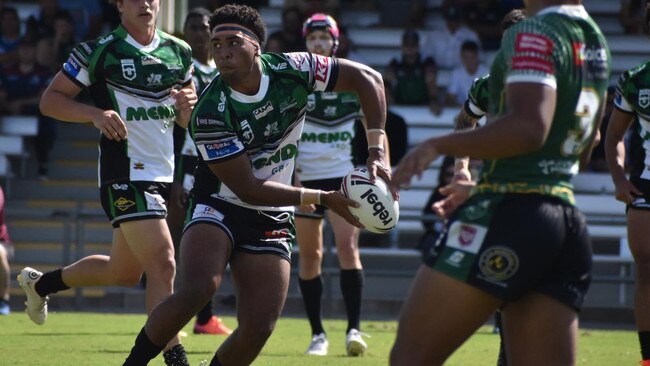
242	15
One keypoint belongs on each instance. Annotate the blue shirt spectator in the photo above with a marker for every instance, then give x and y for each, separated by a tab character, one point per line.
87	15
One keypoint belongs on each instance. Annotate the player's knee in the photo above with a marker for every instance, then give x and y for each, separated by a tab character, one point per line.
127	279
257	332
311	257
163	268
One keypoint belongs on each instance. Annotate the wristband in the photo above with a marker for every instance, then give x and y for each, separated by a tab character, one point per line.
379	147
310	196
376	130
302	195
375	136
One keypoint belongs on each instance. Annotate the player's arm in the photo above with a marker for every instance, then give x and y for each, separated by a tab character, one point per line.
369	86
619	122
385	143
585	156
237	174
58	102
464	121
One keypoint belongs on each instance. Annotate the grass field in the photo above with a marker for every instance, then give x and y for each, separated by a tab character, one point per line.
69	339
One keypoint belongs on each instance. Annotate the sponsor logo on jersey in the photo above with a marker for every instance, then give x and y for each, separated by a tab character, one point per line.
498	263
222	148
311	102
209	122
247	131
330	111
287	104
455	258
262	111
329	95
565	167
144	114
286	152
322	67
278	67
120	187
150	60
123	204
279	233
222	102
86	47
138	165
72	67
467	235
203	211
155	202
533	53
154	79
326	137
530	42
271	129
644	98
106	39
128	69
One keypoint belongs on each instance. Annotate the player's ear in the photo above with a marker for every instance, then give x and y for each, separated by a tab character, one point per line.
258	50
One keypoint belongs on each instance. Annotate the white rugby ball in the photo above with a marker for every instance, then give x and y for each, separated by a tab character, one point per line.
378	212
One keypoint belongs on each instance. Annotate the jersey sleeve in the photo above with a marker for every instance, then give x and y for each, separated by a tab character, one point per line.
319	72
622	98
531	54
78	65
476	104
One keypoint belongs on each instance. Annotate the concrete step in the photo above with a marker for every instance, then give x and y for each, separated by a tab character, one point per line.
70	189
58	231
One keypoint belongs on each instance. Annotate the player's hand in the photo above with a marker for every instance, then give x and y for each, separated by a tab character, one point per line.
626	191
455	194
306	208
338	203
378	165
414	164
462	175
185	99
111	125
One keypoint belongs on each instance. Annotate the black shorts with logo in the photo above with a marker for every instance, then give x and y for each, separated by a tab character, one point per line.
251	231
136	200
641	202
509	244
330	184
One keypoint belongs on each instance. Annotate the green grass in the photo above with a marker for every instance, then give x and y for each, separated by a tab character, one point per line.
69	339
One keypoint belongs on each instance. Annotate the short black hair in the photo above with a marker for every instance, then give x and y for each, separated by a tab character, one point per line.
242	15
198	12
469	46
513	17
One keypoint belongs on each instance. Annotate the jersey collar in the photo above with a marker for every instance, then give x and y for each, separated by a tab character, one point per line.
243	98
573	11
130	40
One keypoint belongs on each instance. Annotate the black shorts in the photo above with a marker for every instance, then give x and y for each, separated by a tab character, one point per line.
510	244
187	167
641	202
330	184
250	231
132	201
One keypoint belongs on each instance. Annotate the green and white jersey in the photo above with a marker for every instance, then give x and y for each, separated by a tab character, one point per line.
325	149
633	96
203	75
265	126
135	81
478	98
563	48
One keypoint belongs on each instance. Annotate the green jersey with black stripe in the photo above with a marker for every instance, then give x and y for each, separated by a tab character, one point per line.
563	48
478	98
633	96
265	126
135	81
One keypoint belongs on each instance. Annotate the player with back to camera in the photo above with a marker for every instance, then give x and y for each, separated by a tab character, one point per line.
140	80
518	243
246	127
631	102
321	164
196	32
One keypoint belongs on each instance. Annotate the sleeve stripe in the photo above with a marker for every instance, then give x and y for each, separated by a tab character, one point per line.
539	79
473	110
73	79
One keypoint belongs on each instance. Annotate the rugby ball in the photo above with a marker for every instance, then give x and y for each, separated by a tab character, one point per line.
378	212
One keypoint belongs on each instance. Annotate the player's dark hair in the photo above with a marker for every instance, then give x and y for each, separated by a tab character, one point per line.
198	12
469	46
513	17
242	15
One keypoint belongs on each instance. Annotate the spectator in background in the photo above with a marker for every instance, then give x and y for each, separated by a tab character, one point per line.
9	36
87	15
463	76
310	7
275	43
484	17
214	4
291	32
444	44
631	16
54	48
413	79
6	253
43	25
111	16
22	85
347	49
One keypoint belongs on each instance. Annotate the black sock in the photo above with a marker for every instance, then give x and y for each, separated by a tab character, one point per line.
215	361
176	356
51	282
312	292
351	287
204	315
143	351
644	340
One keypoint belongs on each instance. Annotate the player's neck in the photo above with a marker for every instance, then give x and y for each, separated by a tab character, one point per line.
143	34
249	84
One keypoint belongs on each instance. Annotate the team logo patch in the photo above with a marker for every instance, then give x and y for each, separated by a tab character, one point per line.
128	69
322	68
644	98
456	258
311	102
155	202
262	111
123	204
138	165
498	263
466	237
